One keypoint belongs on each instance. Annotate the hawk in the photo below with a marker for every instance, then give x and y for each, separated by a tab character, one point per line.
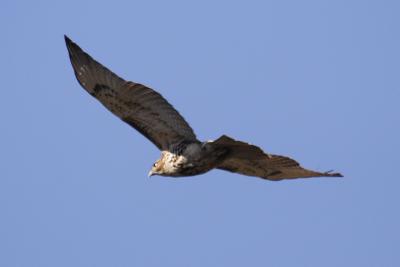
182	154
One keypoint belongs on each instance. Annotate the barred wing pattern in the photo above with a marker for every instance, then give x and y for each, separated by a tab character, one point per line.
139	106
250	160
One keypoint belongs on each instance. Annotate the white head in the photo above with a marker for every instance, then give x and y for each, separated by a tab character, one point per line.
157	168
167	165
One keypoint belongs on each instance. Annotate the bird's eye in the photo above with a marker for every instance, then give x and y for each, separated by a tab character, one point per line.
155	164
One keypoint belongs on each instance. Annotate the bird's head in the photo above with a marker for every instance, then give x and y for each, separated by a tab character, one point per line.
157	168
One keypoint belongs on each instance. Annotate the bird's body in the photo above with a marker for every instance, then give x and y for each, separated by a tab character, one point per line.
182	154
188	159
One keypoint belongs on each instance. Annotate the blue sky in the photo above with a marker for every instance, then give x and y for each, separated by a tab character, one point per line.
314	80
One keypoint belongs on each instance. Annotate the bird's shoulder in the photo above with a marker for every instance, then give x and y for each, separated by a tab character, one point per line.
186	148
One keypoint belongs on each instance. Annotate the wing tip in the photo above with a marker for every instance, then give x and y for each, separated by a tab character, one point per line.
68	41
66	38
333	174
71	46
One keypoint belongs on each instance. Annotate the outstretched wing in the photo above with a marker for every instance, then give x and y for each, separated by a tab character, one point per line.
250	160
139	106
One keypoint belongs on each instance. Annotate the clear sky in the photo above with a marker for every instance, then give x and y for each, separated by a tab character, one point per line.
316	80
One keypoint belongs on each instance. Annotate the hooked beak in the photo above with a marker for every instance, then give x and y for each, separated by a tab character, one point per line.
150	174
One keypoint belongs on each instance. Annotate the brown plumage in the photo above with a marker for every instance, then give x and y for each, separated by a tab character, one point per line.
182	154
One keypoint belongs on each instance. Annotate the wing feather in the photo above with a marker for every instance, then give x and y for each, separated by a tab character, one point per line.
136	104
250	160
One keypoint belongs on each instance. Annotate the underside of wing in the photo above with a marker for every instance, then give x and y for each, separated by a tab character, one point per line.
138	105
250	160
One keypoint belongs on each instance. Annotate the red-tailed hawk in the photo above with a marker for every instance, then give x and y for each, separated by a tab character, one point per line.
182	154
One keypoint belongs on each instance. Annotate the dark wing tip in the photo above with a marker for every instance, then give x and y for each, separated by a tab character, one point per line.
71	46
67	40
334	174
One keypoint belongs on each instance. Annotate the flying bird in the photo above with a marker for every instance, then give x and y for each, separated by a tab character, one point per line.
182	154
